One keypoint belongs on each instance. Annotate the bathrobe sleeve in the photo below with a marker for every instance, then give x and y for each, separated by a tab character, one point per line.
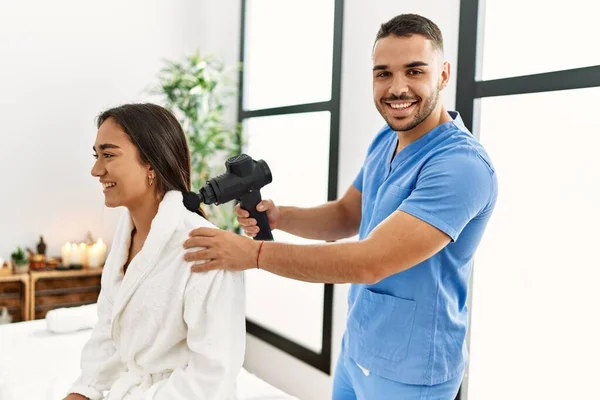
214	312
100	361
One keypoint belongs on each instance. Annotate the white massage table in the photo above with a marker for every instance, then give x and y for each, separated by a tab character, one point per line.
36	364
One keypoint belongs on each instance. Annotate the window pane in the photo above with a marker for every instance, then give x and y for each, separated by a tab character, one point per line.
288	52
296	148
553	36
535	318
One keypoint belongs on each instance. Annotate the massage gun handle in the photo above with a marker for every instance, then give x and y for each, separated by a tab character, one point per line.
248	202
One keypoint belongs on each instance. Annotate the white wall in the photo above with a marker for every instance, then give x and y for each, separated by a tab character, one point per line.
62	62
359	123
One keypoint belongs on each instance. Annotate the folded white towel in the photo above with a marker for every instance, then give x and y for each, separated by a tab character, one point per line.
63	320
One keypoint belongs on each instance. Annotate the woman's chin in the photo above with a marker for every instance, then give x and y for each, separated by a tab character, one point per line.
111	203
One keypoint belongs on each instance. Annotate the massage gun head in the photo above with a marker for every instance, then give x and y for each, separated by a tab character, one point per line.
243	175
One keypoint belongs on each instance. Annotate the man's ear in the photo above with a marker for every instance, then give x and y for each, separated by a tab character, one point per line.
445	75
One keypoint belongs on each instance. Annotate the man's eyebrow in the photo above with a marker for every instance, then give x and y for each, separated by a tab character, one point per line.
105	146
415	64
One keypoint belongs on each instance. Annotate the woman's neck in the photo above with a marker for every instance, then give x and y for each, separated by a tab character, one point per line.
142	215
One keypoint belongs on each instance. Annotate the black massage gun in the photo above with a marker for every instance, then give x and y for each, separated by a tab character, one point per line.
242	181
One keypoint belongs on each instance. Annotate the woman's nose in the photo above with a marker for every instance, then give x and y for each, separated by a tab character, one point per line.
97	169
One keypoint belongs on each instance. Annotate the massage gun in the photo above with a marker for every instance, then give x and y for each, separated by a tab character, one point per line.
242	181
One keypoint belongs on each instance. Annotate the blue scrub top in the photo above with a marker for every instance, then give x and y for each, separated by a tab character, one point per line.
411	326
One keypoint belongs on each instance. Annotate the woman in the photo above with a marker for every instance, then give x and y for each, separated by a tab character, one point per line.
163	332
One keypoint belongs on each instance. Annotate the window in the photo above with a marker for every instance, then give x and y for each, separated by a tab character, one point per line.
535	282
297	149
549	37
285	62
534	318
289	110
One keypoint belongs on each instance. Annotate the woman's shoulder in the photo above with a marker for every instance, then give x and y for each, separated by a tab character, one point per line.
221	278
188	222
192	221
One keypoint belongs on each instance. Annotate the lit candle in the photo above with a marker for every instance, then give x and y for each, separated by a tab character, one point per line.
66	252
82	254
102	247
96	254
78	254
75	257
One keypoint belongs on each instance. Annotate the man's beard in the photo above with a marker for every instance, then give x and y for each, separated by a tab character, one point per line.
425	112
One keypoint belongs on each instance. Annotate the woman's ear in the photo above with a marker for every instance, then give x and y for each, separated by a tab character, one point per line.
151	174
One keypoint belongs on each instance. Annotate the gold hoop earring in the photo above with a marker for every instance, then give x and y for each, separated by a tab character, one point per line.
151	179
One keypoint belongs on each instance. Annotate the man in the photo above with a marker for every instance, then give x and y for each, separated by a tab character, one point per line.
420	204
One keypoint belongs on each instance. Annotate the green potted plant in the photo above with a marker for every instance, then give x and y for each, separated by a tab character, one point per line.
20	261
196	90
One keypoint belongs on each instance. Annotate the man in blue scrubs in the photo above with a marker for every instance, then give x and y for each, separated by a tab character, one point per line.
420	204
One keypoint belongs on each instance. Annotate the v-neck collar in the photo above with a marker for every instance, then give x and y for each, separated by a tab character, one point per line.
394	162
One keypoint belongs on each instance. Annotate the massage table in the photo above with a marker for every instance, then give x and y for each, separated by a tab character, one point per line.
36	364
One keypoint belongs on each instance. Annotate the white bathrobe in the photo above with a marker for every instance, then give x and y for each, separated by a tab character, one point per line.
164	332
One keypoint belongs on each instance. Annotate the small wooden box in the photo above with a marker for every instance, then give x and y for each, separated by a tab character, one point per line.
6	269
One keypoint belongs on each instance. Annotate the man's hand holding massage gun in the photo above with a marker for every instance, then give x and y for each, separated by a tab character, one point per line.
242	181
329	222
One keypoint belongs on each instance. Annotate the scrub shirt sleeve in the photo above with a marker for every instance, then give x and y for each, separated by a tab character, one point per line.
451	190
358	181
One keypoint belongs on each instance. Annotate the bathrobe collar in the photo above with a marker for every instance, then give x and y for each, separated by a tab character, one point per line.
161	230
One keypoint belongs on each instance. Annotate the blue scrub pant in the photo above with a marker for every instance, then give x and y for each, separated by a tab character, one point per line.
352	383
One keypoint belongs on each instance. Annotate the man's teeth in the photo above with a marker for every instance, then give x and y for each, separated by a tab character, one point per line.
404	105
109	185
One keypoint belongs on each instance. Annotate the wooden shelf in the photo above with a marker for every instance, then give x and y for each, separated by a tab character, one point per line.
70	273
15	295
14	278
57	289
37	292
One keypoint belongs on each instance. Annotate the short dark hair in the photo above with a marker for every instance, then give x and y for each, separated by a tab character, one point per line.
412	24
160	140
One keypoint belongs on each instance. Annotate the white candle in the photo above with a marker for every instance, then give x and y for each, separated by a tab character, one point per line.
75	257
78	255
102	247
66	252
96	254
93	256
82	254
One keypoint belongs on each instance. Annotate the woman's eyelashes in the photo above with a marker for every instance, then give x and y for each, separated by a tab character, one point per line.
106	155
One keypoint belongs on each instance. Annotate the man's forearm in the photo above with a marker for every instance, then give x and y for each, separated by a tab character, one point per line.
326	222
323	263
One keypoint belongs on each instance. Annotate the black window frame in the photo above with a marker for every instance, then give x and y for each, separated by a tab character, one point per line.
321	360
